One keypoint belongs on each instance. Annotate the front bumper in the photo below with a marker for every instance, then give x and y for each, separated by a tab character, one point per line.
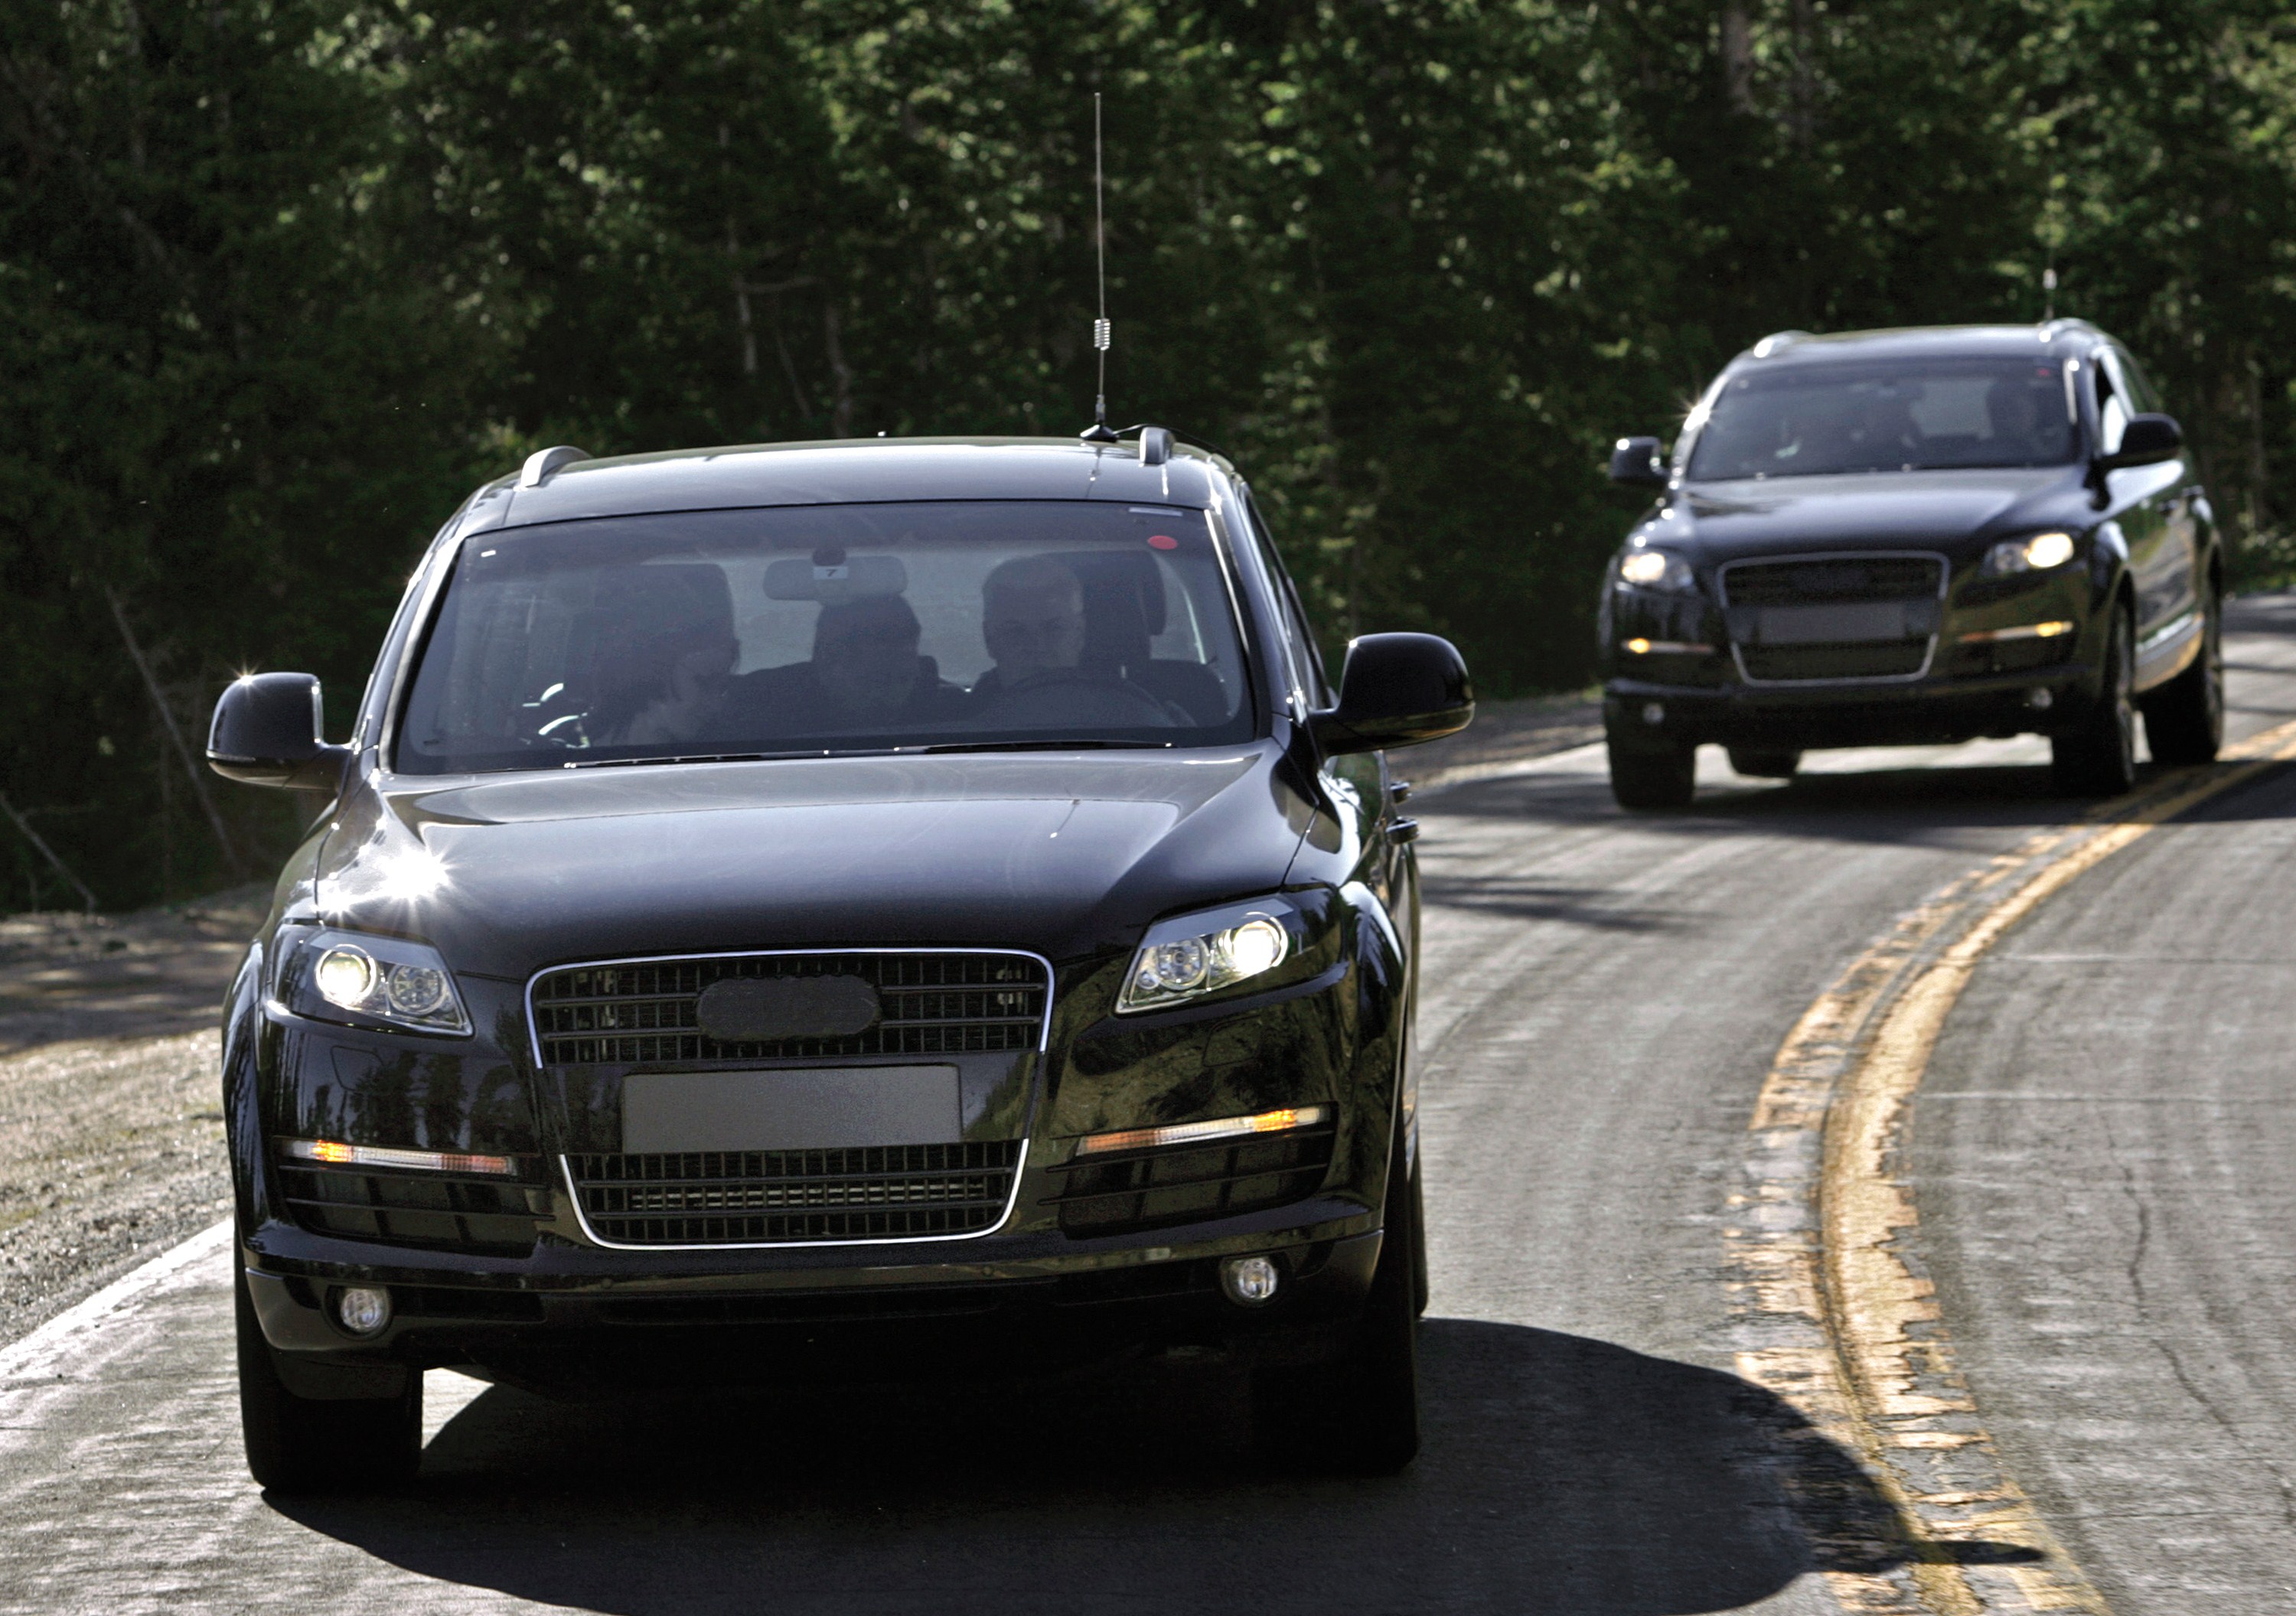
888	1313
1811	716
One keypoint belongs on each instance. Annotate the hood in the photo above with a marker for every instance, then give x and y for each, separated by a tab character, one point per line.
1059	854
1881	510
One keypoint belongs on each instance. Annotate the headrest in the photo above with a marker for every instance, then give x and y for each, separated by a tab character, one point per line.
1122	582
683	597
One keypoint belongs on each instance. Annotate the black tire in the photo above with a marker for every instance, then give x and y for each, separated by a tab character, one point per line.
1647	776
1764	762
2098	758
302	1444
1359	1414
2183	720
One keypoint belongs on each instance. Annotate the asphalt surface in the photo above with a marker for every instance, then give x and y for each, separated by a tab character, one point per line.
2101	1151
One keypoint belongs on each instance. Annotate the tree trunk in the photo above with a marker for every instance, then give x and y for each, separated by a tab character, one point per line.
1737	57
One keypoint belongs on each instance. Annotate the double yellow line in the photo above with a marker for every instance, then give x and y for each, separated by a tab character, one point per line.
1820	1248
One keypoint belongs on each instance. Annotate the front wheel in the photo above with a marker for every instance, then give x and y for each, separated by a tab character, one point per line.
302	1444
1358	1415
2183	720
1652	776
2098	756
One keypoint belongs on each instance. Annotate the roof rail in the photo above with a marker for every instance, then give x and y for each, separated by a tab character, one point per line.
1776	340
543	463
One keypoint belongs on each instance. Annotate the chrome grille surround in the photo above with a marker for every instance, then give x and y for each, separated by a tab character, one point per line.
715	1200
1834	578
762	1208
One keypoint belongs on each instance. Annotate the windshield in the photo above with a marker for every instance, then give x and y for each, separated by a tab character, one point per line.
831	628
1906	415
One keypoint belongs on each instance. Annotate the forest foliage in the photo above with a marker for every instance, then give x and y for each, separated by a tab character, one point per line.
280	280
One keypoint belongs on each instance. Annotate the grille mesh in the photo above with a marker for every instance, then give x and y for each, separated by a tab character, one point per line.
1832	579
730	1197
929	1004
1892	660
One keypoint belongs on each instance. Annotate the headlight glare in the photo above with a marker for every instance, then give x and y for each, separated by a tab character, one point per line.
335	975
1187	957
2035	552
1658	569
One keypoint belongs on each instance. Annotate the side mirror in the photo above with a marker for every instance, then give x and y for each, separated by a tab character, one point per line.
266	732
2146	441
1397	690
1635	463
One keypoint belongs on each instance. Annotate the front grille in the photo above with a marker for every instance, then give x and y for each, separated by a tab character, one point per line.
1150	1189
929	1004
1809	618
1896	659
1832	580
430	1210
896	1192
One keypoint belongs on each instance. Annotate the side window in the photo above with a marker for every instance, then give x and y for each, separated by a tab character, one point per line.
2143	398
1307	660
2111	405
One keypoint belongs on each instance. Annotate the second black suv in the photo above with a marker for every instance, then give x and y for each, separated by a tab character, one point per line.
1916	536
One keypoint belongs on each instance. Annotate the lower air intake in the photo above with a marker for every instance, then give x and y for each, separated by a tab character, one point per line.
900	1192
1150	1188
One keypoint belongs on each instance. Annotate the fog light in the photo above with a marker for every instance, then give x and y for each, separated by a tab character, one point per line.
1654	712
1249	1281
2038	698
363	1311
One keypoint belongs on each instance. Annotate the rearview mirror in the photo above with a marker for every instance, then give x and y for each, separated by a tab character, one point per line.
266	732
2146	441
1635	463
1397	690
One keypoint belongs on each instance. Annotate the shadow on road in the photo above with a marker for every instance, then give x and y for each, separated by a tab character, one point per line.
1560	1474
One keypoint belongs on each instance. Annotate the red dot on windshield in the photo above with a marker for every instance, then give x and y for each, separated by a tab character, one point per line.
1162	540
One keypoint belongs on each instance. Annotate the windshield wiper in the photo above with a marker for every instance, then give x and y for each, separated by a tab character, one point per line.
718	757
1038	746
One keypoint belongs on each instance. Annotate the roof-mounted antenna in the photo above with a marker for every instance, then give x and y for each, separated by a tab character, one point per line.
1098	432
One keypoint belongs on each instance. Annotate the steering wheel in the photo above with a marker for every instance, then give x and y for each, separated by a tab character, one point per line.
1077	699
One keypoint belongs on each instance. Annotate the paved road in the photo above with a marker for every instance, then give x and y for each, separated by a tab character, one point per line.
2101	1155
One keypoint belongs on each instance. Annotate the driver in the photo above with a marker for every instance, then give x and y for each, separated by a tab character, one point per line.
1032	620
2025	417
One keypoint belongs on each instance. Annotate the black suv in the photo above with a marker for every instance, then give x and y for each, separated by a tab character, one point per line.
1915	536
793	913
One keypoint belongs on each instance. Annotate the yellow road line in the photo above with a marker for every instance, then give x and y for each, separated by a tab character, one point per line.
1821	1248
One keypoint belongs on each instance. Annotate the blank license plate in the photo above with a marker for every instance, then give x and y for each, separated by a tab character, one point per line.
815	1107
1849	624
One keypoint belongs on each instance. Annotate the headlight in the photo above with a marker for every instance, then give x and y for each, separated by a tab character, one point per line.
2037	552
335	975
1194	955
1658	569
